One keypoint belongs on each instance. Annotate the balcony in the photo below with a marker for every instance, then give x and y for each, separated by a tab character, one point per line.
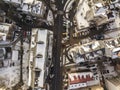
40	42
39	56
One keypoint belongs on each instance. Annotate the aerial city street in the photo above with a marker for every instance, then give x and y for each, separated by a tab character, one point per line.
59	44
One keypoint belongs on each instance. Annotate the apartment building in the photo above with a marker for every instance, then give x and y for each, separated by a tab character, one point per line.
82	79
39	54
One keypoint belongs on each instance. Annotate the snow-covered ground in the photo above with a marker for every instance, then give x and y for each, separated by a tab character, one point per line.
10	74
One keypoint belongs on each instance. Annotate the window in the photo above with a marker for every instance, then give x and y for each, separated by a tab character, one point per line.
108	71
83	84
81	14
37	73
75	77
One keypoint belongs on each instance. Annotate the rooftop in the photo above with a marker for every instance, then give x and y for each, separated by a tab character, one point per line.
115	81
